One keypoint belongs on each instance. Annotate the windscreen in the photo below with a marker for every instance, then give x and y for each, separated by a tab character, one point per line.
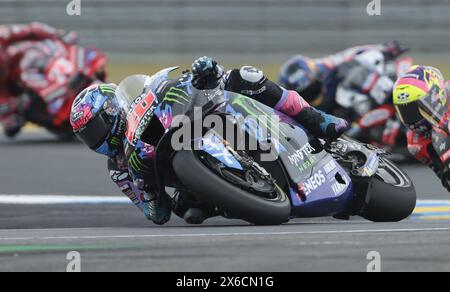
131	88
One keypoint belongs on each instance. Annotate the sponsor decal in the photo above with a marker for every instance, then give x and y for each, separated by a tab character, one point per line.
307	164
300	155
370	168
126	189
403	96
347	147
254	92
330	167
314	182
78	116
139	117
177	95
339	188
144	123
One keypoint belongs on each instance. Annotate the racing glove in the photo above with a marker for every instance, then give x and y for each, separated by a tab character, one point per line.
207	73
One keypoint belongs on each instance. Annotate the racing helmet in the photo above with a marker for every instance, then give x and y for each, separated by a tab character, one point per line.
301	74
95	118
412	88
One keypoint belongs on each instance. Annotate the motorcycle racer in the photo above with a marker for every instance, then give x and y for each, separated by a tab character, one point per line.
422	101
318	79
101	124
37	76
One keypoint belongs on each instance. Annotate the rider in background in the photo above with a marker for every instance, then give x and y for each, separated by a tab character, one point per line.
18	75
318	79
422	101
101	124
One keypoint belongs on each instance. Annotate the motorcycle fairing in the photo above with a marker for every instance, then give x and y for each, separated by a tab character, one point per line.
214	145
372	161
377	117
328	186
157	79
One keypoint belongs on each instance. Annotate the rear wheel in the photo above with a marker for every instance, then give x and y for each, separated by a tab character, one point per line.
246	196
391	196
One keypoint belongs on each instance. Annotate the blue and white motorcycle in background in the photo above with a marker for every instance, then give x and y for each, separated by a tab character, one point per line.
308	178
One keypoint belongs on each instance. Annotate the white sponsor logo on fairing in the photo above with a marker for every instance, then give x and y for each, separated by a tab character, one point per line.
330	167
314	182
300	155
338	188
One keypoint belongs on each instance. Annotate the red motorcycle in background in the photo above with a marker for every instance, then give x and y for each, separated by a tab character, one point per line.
380	126
47	76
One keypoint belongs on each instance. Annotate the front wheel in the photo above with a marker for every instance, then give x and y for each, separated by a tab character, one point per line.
235	201
391	196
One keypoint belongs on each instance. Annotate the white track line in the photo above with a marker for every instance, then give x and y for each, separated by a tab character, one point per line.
375	231
431	203
61	200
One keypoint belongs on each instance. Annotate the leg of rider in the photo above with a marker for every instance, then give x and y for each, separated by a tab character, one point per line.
12	125
251	82
158	206
144	201
10	118
120	176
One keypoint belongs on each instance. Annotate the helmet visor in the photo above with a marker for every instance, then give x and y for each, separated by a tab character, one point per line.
96	132
409	113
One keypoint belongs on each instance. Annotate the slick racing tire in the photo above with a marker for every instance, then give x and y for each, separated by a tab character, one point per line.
234	201
391	195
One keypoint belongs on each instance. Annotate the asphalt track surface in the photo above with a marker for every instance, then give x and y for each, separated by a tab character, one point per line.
116	237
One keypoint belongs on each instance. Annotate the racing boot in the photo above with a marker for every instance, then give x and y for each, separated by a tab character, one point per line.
13	125
158	210
322	125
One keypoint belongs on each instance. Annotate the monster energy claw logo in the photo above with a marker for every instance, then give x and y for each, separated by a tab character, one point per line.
176	95
115	141
107	89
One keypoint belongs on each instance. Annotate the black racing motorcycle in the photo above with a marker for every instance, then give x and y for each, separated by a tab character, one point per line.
305	177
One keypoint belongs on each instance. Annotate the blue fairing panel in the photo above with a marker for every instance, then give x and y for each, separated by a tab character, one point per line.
214	145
